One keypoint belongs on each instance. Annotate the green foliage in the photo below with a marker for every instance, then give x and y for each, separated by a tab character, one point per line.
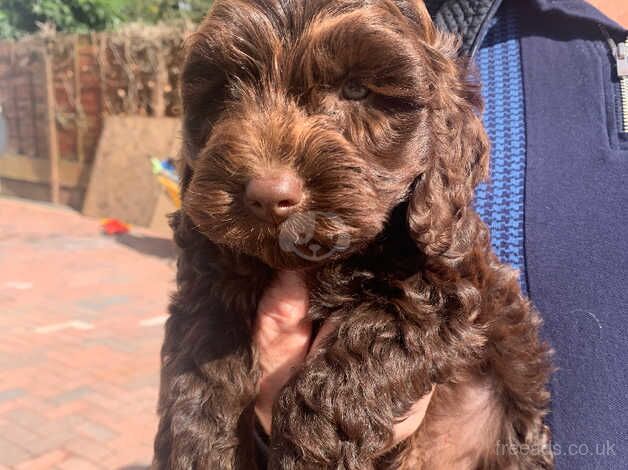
22	16
6	28
153	11
68	15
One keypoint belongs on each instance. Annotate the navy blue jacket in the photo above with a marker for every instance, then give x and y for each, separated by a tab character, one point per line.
558	202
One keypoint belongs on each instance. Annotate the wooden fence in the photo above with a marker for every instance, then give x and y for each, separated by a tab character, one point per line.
56	89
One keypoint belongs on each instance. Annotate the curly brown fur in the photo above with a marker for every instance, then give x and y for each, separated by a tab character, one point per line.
414	291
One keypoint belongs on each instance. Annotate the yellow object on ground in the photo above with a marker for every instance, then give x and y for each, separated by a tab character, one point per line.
171	188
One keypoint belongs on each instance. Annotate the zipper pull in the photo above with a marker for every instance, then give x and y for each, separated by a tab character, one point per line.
620	52
621	62
621	56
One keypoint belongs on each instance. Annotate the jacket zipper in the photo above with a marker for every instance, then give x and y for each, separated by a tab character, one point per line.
620	52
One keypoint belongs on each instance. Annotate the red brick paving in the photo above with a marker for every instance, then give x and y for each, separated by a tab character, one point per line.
78	361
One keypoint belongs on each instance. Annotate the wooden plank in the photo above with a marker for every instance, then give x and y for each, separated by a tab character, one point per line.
161	80
37	170
53	141
78	102
122	184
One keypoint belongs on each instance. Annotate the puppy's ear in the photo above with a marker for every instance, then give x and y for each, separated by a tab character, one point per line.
416	11
440	216
202	91
185	169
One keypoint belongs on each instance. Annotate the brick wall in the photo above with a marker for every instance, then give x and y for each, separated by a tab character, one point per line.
131	72
93	75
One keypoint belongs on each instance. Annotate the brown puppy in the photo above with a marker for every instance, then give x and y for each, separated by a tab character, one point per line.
342	138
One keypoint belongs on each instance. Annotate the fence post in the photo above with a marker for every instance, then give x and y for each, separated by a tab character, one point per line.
161	80
79	115
53	141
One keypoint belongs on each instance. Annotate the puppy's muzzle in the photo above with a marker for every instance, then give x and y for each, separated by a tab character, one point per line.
275	196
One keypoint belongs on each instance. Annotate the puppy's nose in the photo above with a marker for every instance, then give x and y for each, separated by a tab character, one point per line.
273	198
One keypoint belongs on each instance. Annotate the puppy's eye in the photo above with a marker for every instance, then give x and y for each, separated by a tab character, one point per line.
354	90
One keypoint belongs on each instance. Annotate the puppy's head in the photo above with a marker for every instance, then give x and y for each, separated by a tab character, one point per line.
306	123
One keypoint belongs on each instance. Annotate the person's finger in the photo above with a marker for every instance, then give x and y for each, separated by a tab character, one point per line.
282	337
328	327
410	423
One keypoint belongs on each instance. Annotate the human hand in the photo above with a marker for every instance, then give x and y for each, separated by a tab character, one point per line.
283	337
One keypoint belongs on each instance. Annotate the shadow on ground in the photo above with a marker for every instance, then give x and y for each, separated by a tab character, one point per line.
153	246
